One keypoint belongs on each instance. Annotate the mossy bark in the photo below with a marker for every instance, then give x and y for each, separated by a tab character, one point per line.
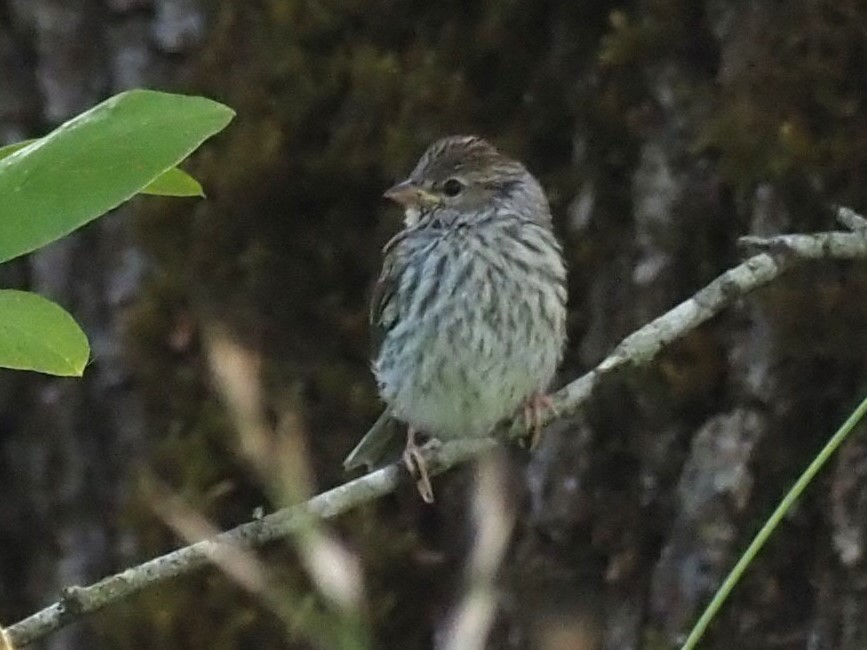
662	129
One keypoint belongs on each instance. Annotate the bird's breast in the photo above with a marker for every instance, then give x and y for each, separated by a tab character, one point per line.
480	327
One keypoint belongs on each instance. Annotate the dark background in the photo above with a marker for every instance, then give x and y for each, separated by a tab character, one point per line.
662	130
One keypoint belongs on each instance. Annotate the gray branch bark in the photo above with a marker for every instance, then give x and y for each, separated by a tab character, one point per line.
778	254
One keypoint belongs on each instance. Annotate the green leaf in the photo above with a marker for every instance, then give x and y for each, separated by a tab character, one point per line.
36	334
9	149
96	161
172	182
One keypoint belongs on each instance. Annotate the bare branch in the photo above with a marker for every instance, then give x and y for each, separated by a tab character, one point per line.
827	245
76	601
640	348
851	219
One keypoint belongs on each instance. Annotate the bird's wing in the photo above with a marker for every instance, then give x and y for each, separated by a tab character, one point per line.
384	440
383	313
377	446
402	250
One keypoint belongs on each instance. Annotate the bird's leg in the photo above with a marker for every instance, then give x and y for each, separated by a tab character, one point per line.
417	466
534	409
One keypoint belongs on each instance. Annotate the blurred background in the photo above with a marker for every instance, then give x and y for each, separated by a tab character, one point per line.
231	347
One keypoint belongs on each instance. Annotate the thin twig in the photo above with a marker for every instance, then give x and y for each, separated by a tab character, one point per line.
851	219
76	601
638	349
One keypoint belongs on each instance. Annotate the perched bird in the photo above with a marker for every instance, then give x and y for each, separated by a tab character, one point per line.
471	302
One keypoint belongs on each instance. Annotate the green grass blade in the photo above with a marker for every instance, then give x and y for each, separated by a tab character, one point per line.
771	524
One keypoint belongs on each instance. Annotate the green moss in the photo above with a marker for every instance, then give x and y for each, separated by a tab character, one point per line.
335	100
788	102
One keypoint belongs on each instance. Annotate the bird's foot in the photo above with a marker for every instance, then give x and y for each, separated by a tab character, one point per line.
534	410
415	462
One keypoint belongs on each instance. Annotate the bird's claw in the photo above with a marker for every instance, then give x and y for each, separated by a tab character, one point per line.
415	462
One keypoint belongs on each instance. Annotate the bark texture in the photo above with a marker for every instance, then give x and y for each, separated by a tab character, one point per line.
662	129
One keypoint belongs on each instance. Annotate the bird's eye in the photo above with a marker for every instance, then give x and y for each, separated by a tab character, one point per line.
452	187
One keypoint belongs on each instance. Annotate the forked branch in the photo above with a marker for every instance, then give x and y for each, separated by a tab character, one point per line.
773	256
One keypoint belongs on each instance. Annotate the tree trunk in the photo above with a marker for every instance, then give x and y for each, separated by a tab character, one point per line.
663	131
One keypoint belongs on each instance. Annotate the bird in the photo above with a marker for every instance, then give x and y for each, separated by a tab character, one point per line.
470	304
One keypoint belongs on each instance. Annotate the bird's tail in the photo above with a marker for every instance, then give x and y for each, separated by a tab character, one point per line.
380	446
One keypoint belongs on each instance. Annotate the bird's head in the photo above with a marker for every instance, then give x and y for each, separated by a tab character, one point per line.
467	175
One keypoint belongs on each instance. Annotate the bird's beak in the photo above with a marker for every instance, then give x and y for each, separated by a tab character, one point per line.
410	195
